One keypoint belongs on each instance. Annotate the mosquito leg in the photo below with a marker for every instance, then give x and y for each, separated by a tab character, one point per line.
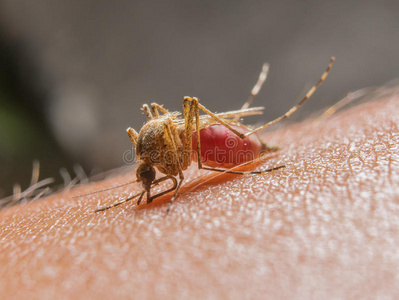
174	196
188	112
257	86
156	182
155	107
119	203
293	109
141	194
194	109
190	109
194	103
141	198
189	119
197	127
133	135
171	140
245	172
214	116
147	112
168	190
154	111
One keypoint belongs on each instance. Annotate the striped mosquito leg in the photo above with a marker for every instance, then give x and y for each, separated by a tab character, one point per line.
119	203
133	135
258	86
155	107
244	172
147	112
293	109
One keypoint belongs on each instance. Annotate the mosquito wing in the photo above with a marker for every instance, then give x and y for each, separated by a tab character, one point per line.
228	117
239	113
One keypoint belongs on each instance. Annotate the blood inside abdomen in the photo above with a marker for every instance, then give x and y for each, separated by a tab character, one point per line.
220	147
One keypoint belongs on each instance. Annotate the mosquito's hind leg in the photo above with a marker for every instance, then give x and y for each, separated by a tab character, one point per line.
189	113
293	109
261	172
255	90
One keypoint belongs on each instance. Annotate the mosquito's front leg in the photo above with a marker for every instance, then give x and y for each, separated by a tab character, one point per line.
171	141
147	112
155	107
149	200
133	135
141	194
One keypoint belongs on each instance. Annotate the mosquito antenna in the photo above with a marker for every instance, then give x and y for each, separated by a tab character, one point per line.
141	194
104	190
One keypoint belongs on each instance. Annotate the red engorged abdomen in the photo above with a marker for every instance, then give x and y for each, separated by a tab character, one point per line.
220	147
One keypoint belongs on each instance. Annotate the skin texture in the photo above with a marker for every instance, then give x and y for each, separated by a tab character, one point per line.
327	225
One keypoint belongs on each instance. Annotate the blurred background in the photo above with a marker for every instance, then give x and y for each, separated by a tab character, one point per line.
74	74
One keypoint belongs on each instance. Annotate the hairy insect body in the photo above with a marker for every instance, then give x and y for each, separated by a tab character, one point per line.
169	142
159	147
220	147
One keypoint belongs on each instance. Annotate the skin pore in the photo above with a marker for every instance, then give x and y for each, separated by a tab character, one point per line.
326	225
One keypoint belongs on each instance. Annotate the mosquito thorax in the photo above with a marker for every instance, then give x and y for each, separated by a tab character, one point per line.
151	141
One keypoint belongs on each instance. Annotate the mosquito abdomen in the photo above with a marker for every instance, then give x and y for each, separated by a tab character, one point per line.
223	148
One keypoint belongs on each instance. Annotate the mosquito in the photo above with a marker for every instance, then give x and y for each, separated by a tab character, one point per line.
216	141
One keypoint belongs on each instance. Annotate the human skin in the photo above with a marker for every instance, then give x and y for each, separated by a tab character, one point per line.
325	226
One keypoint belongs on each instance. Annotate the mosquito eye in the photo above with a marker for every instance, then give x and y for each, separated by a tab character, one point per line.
146	174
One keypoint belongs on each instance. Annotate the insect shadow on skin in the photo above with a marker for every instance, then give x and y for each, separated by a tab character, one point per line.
217	141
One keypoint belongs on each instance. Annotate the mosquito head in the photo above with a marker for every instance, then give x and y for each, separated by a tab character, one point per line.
145	174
